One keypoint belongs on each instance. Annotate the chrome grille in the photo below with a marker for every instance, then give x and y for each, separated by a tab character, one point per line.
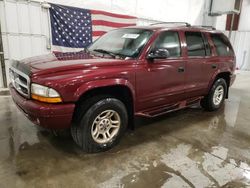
20	81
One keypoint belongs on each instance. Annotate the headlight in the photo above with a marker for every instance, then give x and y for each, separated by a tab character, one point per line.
44	94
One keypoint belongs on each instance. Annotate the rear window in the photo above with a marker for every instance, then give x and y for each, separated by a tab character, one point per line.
222	45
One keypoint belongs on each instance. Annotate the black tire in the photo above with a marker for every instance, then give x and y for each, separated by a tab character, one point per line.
84	117
207	102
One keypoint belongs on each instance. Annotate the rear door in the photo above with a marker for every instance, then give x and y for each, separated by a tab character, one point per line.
162	81
198	57
223	56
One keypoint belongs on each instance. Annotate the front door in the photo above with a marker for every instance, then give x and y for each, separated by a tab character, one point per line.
162	81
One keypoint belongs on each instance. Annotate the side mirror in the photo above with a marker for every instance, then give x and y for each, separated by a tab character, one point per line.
158	53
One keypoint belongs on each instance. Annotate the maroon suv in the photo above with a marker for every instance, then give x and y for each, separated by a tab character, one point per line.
144	71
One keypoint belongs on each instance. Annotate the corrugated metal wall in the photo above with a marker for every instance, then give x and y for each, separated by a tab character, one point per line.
25	30
241	43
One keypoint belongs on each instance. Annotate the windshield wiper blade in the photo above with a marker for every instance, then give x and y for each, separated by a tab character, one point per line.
105	52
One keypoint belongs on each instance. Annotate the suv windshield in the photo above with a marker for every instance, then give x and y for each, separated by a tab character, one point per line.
122	42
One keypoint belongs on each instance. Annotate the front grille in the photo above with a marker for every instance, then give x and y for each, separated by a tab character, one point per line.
20	81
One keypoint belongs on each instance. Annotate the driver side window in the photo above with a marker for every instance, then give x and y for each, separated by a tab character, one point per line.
170	41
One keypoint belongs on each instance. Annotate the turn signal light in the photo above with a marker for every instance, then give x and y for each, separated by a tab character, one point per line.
46	99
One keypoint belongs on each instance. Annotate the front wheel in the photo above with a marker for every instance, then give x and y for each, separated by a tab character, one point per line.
216	96
101	126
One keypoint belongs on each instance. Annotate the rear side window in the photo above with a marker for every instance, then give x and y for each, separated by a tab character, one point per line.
222	45
195	44
170	41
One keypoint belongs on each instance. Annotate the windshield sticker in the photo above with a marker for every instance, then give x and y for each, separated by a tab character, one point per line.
130	36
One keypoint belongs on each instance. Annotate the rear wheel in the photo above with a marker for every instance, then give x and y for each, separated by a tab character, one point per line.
101	125
216	96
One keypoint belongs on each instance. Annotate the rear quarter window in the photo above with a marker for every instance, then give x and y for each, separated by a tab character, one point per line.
222	45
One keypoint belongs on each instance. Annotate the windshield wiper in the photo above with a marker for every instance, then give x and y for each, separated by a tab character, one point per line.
105	52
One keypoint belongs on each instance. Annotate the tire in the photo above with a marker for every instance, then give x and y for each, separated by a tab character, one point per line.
209	102
94	118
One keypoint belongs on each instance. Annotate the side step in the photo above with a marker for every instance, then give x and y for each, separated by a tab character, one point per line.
157	111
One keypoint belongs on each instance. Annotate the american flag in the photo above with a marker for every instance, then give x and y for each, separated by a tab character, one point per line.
74	28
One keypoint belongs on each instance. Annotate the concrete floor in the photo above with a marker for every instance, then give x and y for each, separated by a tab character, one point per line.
188	148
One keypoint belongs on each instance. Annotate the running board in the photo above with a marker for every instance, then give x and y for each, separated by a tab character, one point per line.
157	111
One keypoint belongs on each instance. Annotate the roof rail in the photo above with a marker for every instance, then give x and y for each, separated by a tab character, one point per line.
205	26
177	23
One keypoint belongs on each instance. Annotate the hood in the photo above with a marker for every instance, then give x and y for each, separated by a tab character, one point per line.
56	62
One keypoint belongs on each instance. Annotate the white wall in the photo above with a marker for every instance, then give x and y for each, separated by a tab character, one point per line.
244	24
220	22
241	38
241	43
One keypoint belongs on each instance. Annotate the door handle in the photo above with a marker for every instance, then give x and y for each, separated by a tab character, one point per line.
181	69
214	66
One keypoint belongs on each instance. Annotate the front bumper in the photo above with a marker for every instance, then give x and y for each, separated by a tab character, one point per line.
51	116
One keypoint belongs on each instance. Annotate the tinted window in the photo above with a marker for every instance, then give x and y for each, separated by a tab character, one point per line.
195	44
170	41
221	44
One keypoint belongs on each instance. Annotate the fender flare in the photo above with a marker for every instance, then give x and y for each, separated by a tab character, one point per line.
87	86
219	71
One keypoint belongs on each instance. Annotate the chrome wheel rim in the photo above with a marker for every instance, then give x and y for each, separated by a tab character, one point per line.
105	126
218	95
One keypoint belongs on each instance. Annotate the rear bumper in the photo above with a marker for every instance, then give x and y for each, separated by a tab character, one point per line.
51	116
232	78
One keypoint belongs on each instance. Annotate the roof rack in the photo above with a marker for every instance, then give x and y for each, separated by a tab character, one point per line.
205	26
177	23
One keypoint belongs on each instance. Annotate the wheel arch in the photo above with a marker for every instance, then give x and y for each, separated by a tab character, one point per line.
120	89
225	75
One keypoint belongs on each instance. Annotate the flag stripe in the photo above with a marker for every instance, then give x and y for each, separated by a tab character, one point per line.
65	49
98	33
102	28
112	19
112	14
110	24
